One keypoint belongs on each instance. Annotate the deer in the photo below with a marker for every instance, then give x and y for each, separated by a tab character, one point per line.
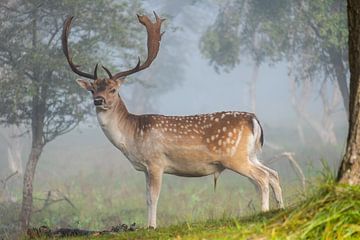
188	146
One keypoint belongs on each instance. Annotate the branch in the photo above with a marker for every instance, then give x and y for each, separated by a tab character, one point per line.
57	29
311	24
299	103
51	135
48	201
4	181
296	167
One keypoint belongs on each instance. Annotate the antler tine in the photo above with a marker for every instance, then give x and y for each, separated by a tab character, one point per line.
153	44
64	41
107	71
95	71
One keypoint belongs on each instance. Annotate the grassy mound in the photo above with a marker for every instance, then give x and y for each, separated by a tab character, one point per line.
332	212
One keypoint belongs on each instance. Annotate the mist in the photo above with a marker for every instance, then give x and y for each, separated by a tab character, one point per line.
103	188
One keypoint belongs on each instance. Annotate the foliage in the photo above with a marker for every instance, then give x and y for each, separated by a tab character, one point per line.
306	31
35	74
221	42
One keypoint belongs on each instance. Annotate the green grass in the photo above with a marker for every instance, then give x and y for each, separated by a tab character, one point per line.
331	212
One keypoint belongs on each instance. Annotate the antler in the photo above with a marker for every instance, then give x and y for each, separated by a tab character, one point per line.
153	44
64	40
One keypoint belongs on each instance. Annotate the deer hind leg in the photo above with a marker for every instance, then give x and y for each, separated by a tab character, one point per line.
275	185
257	175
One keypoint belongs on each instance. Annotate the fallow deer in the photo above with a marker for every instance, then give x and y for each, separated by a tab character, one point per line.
190	146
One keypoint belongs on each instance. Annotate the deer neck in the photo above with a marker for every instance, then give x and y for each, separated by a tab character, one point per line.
117	123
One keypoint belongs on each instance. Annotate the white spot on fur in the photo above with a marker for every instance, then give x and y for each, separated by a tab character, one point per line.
233	150
237	141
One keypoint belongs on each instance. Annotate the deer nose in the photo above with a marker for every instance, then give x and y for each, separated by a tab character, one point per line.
98	101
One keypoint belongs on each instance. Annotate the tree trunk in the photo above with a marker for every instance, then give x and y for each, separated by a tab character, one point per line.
14	151
26	208
37	126
349	171
252	87
325	128
340	72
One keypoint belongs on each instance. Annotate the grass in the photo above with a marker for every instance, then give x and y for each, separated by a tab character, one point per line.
331	212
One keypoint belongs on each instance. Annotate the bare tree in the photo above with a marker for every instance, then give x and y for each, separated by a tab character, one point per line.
301	97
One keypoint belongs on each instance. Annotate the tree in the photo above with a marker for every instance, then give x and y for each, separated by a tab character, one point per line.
349	171
38	90
310	35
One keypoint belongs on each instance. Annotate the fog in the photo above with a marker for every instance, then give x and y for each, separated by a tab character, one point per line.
86	168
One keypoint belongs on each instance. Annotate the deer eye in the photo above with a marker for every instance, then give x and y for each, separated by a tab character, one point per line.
112	90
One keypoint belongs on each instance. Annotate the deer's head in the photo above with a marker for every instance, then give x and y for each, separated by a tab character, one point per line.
105	90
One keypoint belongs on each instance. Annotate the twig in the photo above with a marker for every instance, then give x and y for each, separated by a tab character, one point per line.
294	164
48	201
4	181
251	206
4	191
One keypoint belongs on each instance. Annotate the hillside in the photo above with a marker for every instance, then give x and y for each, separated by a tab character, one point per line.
331	212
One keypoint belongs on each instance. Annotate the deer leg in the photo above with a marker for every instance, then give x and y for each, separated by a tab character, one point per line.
257	175
275	185
153	187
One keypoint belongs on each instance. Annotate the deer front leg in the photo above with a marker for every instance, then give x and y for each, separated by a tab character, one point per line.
153	187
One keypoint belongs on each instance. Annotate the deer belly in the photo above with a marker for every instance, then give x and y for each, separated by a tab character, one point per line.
191	163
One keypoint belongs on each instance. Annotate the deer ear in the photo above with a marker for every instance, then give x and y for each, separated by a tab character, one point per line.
85	84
